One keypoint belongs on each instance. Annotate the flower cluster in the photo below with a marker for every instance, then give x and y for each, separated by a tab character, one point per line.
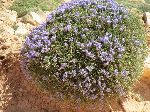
86	48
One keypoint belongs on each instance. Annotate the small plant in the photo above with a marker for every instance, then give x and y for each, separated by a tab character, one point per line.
86	49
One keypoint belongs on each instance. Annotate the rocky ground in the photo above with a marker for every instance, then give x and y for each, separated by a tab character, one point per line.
19	94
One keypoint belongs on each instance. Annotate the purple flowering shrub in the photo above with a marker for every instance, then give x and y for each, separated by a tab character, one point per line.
86	49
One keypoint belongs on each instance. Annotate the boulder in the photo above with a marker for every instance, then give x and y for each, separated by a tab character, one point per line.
36	17
32	18
146	18
43	14
27	26
21	29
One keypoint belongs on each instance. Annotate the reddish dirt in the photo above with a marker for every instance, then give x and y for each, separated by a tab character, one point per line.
142	87
19	94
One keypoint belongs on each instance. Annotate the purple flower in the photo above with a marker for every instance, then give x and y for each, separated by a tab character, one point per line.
124	72
77	14
99	6
105	39
89	44
83	72
63	65
90	68
65	76
53	38
122	28
121	49
85	29
116	72
137	43
119	56
68	28
97	45
75	30
89	54
108	90
49	17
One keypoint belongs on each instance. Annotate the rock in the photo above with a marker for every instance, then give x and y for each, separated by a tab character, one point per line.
66	0
43	15
1	22
134	106
147	62
146	18
9	30
1	39
5	29
32	18
12	15
21	30
6	3
29	27
5	46
36	17
8	17
9	44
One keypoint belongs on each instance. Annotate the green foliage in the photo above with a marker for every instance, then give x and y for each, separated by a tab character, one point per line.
147	1
140	6
86	49
24	6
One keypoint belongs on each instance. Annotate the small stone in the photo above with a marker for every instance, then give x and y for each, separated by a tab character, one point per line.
21	31
21	90
43	15
32	18
1	22
146	18
9	30
1	39
36	17
15	38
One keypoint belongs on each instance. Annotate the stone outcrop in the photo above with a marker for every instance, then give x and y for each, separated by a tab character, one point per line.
146	18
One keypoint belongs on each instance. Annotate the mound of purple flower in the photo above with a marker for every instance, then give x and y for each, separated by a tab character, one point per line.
86	49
